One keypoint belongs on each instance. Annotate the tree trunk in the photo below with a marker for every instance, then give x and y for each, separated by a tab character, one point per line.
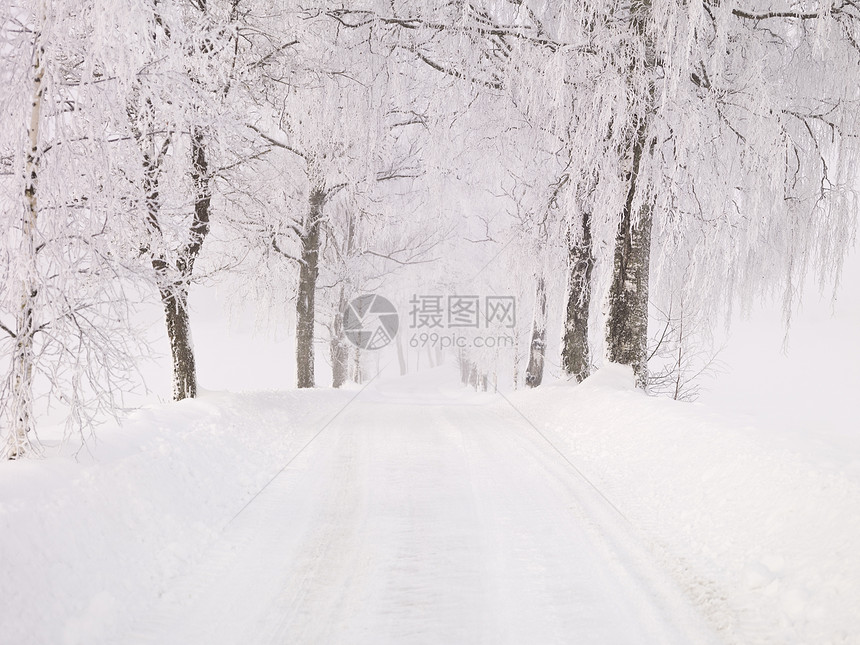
174	293
575	356
627	320
537	348
358	374
175	301
401	355
339	349
308	273
23	364
463	364
173	279
23	355
516	360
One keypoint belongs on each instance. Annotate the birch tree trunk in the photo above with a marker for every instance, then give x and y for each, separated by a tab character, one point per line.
308	274
537	348
627	320
575	356
23	356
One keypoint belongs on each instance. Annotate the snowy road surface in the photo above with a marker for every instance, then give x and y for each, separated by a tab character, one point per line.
424	515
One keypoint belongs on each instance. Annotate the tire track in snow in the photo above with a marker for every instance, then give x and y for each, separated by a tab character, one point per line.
661	603
419	520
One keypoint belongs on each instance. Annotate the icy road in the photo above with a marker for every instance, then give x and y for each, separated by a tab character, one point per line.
425	515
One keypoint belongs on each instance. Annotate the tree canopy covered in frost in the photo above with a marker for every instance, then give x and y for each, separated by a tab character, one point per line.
616	165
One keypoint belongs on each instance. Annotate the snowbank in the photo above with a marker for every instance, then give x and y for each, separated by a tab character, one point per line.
85	542
762	537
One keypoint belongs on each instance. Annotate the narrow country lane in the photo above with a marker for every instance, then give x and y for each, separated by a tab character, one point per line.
424	515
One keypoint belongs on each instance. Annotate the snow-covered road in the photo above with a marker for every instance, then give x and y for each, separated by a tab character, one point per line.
424	515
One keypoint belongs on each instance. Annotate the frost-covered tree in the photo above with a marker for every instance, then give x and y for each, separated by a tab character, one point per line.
576	355
63	309
676	113
184	78
332	118
698	152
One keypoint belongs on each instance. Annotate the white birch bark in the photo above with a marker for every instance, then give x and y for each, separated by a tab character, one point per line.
23	357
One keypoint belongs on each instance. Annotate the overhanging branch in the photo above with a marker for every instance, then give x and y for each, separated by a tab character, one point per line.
791	13
277	143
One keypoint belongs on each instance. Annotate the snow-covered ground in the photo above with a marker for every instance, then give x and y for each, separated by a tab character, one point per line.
423	514
799	388
763	537
426	513
86	540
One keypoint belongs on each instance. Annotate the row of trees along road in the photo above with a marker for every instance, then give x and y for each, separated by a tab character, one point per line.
687	151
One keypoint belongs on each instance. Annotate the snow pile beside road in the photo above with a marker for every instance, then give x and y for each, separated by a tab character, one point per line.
86	542
763	538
